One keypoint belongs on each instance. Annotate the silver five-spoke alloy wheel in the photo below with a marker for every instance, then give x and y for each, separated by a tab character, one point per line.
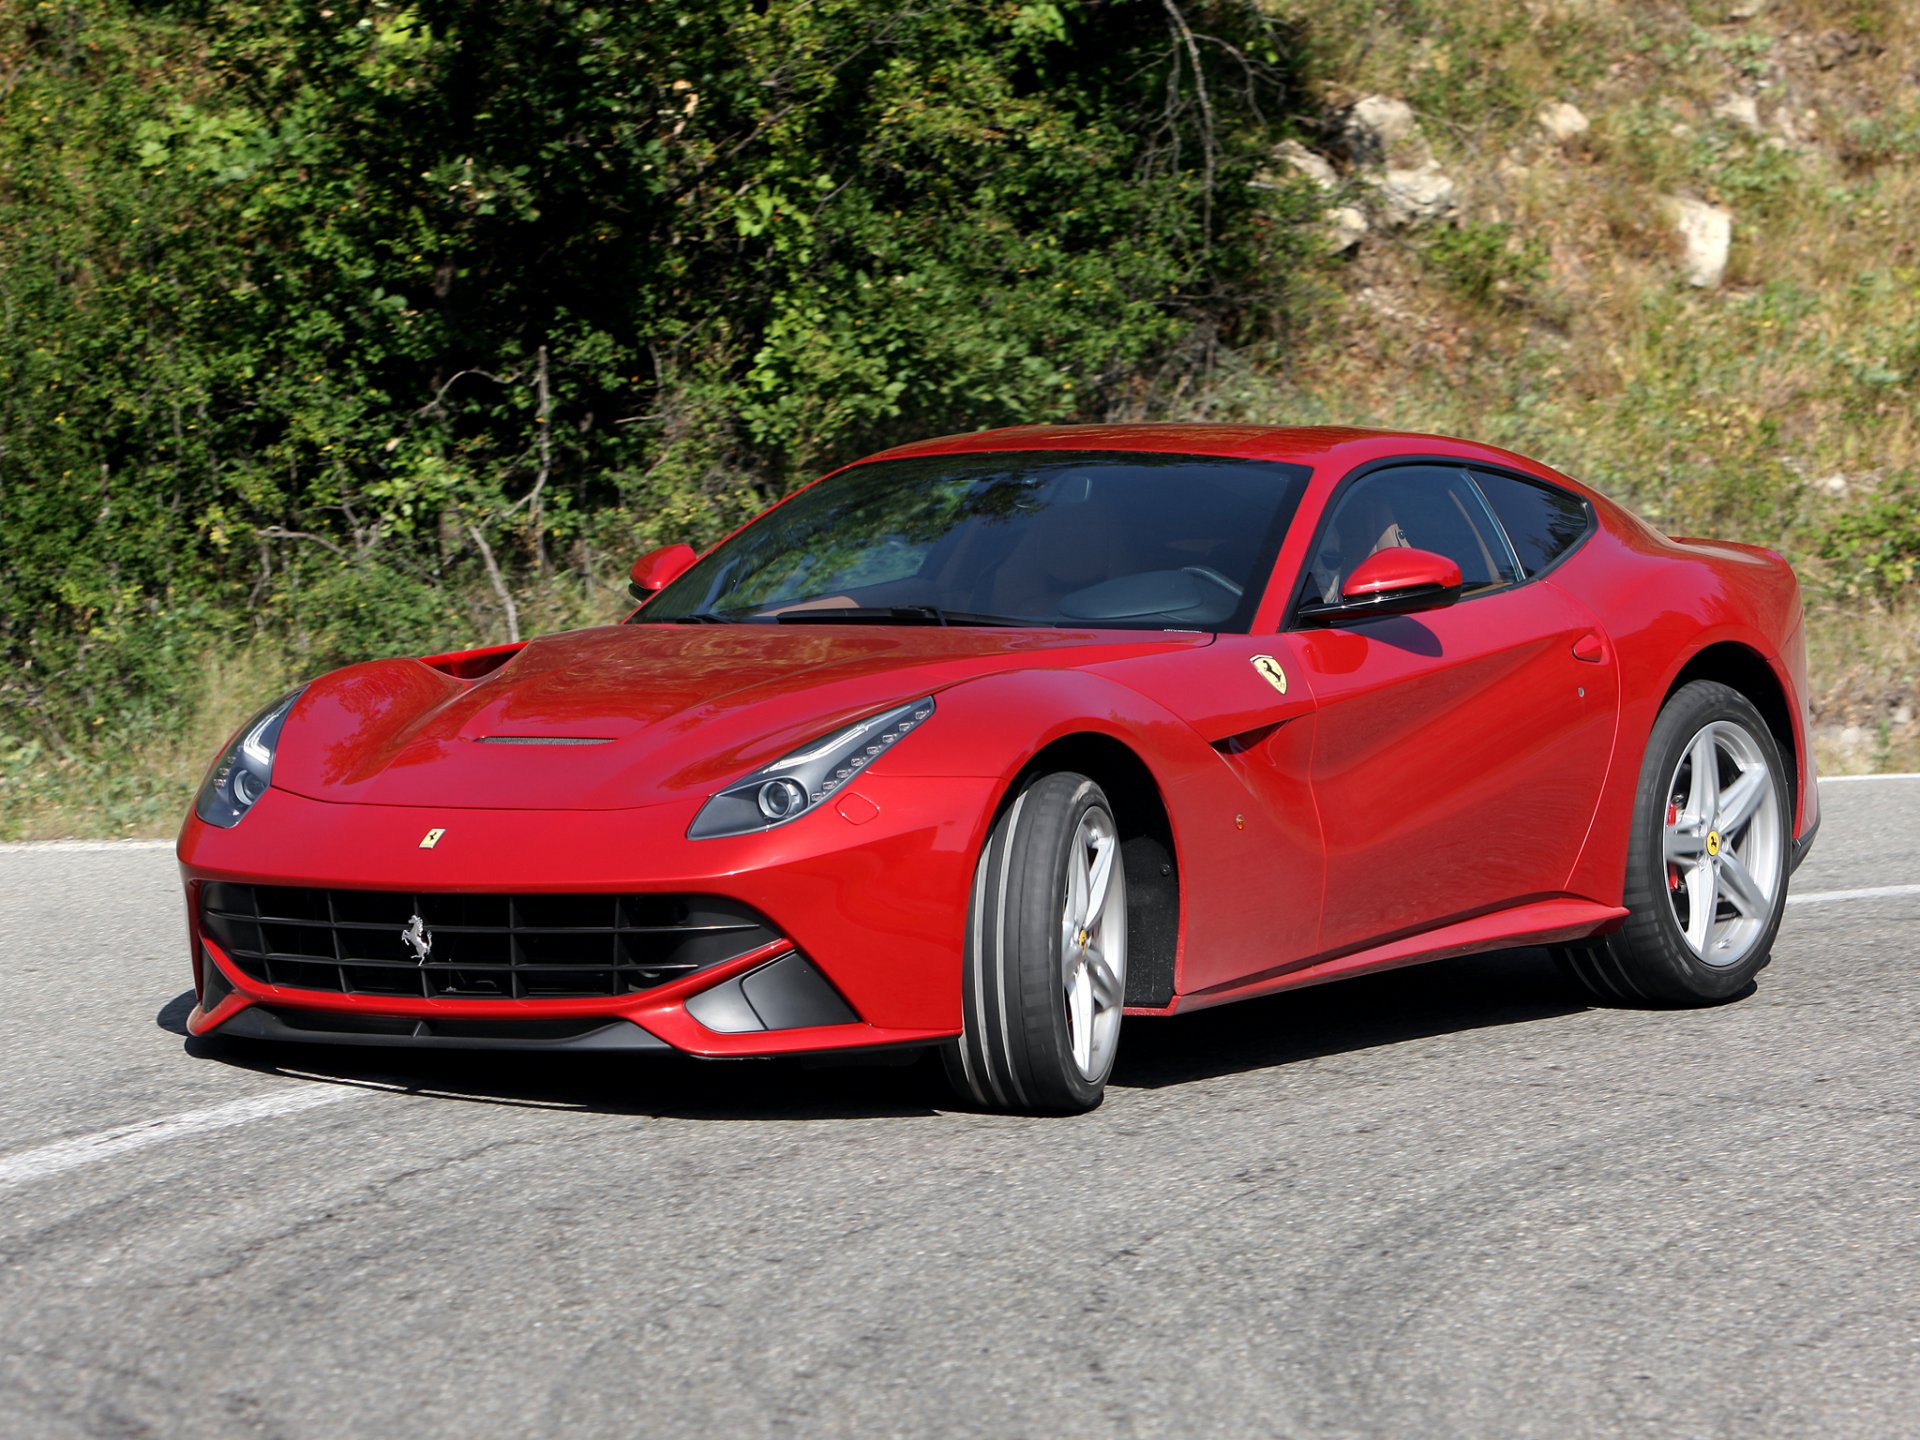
1044	975
1722	843
1093	943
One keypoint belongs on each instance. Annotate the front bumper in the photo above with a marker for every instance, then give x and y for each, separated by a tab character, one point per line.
264	1022
868	894
1803	844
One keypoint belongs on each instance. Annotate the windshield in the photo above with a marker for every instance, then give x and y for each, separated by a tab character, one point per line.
1044	538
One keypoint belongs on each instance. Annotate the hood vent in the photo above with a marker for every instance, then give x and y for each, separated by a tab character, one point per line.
546	739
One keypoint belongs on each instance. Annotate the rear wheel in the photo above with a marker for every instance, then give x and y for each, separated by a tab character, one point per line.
1707	861
1045	970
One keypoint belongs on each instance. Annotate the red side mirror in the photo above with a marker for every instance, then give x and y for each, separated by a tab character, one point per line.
658	569
1398	581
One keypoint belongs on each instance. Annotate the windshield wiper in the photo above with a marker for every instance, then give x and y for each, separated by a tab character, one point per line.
696	617
893	615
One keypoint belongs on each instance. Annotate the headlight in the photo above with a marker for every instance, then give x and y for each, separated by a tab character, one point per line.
796	783
241	775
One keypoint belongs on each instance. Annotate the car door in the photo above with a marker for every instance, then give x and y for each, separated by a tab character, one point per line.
1459	752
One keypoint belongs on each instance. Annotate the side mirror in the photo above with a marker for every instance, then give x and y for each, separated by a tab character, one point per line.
658	569
1395	581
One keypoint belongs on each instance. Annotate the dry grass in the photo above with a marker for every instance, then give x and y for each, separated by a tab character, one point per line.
1866	664
1767	409
146	790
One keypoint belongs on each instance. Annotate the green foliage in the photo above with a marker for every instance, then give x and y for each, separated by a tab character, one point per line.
307	311
1487	260
1876	546
1464	82
1890	137
1746	53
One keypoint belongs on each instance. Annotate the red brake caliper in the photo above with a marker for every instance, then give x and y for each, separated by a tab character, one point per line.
1673	871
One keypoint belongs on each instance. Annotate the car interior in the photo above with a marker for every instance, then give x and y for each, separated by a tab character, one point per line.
1423	506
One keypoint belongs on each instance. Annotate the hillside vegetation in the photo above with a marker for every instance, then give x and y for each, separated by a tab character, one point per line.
1553	311
327	331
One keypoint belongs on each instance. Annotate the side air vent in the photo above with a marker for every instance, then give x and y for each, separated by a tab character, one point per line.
1246	740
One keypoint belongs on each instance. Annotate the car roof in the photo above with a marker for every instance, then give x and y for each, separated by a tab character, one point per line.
1334	447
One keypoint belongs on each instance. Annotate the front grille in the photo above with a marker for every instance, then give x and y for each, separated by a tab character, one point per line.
477	947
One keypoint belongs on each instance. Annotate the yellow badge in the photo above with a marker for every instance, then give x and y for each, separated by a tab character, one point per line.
433	838
1270	670
1713	842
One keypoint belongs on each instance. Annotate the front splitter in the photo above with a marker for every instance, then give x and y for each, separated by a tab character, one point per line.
264	1022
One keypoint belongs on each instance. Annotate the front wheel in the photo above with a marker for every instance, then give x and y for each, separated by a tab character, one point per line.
1707	861
1044	975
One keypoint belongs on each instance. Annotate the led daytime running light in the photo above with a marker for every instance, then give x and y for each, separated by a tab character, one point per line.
865	755
815	773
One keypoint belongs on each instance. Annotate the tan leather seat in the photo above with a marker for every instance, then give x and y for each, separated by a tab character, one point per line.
1363	527
1064	549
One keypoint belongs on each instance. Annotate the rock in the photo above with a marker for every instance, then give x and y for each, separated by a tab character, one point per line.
1383	306
1741	110
1298	157
1902	715
1834	484
1396	163
1380	130
1375	124
1707	233
1563	122
1852	738
1414	197
1745	9
1346	227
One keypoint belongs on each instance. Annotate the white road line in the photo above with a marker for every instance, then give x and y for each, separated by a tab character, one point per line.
1834	897
72	846
25	1165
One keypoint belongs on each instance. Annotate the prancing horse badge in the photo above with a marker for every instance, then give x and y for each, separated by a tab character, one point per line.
1270	669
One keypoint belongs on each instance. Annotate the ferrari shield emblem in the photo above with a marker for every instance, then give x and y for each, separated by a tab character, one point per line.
433	836
1271	672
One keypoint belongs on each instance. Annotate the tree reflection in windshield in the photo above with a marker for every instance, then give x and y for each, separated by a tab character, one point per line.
1042	537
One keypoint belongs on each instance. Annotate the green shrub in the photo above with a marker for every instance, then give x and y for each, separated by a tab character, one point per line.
300	307
1487	260
1876	546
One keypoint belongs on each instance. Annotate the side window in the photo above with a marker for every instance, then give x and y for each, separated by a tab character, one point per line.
1429	507
1543	523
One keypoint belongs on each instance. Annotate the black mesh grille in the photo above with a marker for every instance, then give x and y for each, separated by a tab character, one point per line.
477	947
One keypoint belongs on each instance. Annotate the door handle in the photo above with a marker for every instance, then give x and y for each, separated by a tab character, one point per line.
1590	647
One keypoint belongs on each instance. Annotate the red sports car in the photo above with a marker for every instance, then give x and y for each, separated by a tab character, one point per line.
984	742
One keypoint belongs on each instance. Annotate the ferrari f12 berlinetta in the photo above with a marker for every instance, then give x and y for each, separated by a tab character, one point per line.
984	742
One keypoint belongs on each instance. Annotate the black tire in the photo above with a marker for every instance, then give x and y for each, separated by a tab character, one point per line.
1648	960
1015	1052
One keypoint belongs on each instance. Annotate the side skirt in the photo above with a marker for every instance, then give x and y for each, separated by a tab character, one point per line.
1539	922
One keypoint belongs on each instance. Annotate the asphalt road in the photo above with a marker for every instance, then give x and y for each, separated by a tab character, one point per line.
1449	1201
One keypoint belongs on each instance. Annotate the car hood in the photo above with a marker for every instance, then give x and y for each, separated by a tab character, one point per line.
637	714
